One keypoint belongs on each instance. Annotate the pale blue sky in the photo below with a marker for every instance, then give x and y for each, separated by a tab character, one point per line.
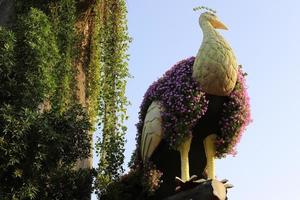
265	36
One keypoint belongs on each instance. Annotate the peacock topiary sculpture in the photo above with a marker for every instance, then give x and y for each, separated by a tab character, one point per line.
195	113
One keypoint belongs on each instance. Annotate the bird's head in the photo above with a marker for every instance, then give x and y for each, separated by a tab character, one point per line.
212	19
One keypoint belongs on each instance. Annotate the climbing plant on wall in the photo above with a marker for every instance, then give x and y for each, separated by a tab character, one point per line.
114	41
44	121
43	129
63	16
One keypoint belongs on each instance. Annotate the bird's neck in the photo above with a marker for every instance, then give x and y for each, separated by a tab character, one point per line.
209	32
215	66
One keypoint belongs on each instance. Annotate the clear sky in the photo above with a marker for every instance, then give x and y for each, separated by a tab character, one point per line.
265	36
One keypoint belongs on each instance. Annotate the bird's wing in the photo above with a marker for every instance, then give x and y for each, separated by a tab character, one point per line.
152	130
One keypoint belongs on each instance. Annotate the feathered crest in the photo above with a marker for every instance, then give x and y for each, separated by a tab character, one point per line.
205	8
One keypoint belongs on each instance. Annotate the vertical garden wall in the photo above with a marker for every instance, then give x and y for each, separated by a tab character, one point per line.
63	70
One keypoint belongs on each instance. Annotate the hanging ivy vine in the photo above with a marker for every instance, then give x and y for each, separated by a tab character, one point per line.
93	75
43	130
114	41
63	15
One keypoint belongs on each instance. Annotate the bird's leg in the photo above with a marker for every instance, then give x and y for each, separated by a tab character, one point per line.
186	182
184	155
210	152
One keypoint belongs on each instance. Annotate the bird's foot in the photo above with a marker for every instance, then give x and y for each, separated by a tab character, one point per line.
189	184
226	184
224	181
220	188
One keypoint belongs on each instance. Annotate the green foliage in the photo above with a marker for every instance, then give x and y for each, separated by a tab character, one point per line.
114	41
50	35
7	63
37	148
68	183
63	16
128	187
43	132
93	78
138	184
38	56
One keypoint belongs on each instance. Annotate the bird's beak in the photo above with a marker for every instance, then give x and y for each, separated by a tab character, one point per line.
218	25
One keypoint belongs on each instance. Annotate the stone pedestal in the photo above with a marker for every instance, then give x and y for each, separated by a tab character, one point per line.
207	190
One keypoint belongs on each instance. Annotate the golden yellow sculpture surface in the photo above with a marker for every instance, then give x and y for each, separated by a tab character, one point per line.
215	67
152	130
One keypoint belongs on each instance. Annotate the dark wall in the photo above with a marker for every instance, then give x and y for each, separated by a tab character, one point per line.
7	12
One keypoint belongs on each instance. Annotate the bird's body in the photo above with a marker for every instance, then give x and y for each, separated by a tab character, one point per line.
194	113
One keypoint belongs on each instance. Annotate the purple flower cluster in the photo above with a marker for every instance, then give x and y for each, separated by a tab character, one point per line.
235	117
151	179
184	104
